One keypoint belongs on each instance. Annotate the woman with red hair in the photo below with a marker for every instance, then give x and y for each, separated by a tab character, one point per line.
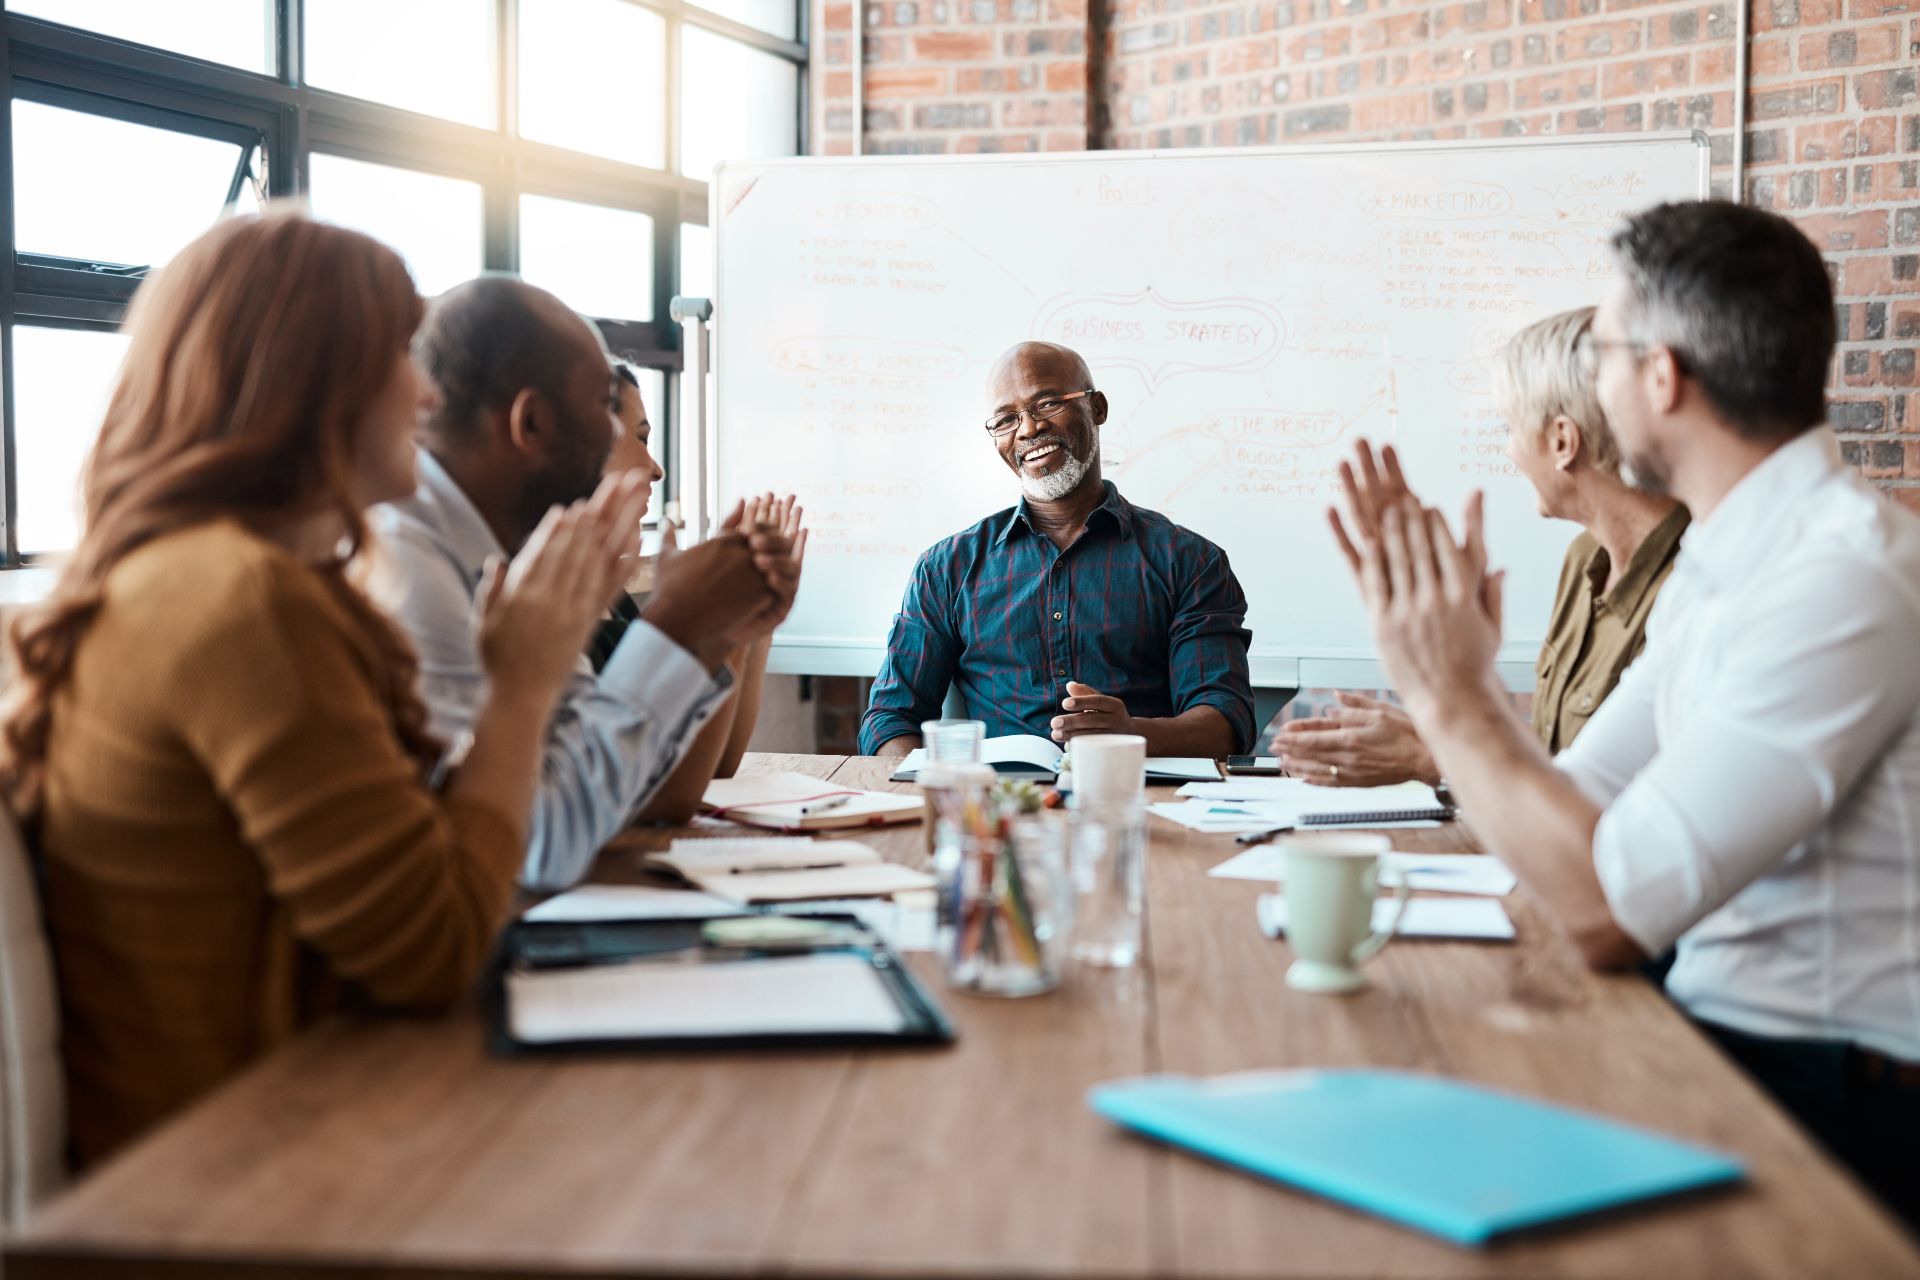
213	738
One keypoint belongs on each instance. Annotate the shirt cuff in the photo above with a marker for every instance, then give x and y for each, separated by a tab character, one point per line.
652	674
1650	868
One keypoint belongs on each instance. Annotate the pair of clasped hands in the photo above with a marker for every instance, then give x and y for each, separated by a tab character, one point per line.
536	614
1435	611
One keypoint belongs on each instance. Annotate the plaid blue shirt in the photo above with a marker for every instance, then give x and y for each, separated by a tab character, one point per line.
1137	607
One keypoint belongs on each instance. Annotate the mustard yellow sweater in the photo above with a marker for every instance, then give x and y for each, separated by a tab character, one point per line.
232	834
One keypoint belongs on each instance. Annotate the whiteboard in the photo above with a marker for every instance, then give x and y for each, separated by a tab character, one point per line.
1248	314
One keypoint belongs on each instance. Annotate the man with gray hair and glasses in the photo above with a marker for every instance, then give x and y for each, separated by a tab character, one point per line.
1750	794
1075	611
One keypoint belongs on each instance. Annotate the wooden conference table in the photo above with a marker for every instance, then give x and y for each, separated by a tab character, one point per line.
397	1147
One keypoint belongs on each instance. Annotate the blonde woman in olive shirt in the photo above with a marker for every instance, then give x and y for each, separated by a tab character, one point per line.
1557	436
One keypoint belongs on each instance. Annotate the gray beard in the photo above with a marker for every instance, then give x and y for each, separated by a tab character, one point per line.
1058	484
1647	474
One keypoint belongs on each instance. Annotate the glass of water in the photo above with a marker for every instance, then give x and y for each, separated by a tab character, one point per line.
952	741
1108	857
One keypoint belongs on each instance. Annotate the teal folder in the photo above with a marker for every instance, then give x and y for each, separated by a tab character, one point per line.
1464	1163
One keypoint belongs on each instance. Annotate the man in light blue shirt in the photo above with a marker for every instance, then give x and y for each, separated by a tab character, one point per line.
525	421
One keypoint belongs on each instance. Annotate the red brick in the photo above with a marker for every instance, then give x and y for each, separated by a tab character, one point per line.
1646	75
1876	8
1598	40
1393	31
1318	46
1065	11
1834	232
1372	115
1876	275
839	84
1877	90
1475	15
1845	139
1067	77
1805	98
1259	54
953	46
1574	84
836	17
1774	15
903	82
1850	47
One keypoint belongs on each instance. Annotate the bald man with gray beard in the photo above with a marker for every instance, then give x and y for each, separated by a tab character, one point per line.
1073	611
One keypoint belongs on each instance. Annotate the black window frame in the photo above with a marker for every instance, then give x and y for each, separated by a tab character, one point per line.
43	61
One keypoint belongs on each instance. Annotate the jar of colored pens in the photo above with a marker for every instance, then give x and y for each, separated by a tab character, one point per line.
1006	902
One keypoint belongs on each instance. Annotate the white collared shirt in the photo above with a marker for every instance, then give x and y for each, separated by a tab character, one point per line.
614	738
1760	763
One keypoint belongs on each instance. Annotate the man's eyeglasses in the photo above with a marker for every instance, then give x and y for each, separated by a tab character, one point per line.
1042	410
1590	347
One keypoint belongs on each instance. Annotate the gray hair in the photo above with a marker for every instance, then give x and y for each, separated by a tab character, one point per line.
1743	301
1543	372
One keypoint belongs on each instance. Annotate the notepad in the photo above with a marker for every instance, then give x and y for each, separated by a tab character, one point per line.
835	993
798	802
1300	797
787	870
1026	755
1462	1162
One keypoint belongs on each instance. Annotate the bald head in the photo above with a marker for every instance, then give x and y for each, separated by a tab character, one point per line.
1041	361
486	341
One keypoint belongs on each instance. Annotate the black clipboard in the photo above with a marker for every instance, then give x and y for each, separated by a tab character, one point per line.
558	945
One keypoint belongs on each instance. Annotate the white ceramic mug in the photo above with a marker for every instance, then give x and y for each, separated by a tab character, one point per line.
1108	767
1332	881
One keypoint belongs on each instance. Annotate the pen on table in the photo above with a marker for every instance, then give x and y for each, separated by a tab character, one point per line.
823	805
1260	837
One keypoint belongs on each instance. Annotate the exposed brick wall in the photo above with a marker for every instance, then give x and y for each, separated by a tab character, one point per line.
1834	131
956	75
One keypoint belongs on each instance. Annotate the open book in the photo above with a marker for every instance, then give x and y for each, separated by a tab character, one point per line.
797	802
1027	755
786	870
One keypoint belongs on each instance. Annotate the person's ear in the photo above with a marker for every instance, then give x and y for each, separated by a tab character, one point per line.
1098	403
529	422
1661	376
1564	441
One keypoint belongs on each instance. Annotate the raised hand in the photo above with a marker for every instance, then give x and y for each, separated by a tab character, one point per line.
1434	607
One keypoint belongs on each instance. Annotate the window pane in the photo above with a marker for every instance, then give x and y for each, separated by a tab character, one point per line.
236	32
62	378
736	103
431	56
696	260
775	17
436	223
590	77
598	260
73	172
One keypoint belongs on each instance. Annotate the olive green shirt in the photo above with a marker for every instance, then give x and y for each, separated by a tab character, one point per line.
1593	637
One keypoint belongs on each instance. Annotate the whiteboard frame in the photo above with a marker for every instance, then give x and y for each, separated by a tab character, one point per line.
1308	668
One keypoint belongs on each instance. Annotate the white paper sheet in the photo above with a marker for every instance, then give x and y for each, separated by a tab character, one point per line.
1467	873
835	992
600	902
1473	918
1194	768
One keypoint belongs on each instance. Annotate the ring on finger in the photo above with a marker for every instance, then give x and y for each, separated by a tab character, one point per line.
1333	771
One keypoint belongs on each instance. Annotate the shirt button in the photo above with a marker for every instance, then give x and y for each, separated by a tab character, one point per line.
1059	671
1056	617
1586	703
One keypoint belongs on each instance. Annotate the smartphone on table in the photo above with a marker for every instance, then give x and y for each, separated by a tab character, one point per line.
1255	766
